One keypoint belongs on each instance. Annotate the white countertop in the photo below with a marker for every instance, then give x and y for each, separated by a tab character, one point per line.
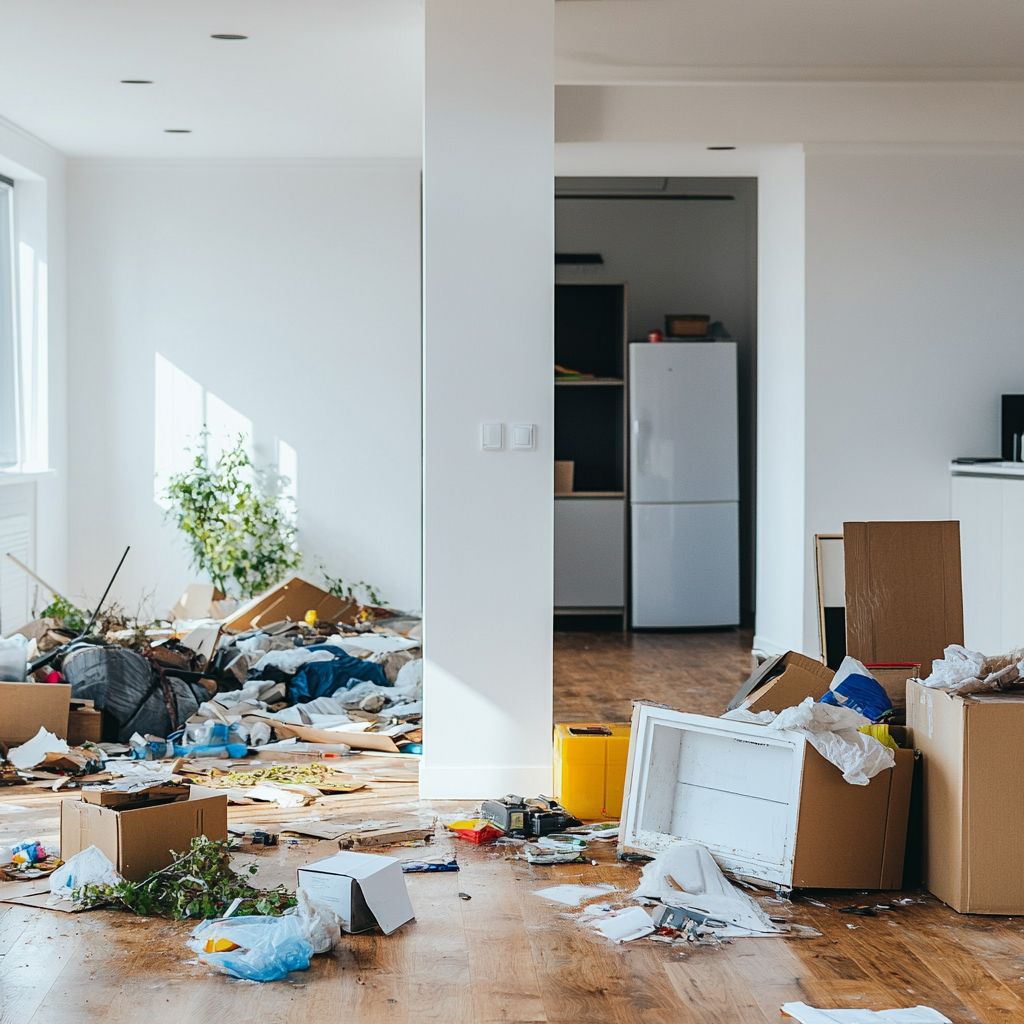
1010	469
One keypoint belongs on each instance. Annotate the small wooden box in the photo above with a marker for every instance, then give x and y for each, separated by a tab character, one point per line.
686	325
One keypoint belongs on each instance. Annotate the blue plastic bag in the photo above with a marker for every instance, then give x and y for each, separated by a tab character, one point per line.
854	687
268	947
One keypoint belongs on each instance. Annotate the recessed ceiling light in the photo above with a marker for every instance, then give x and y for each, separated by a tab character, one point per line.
178	131
227	35
136	81
720	147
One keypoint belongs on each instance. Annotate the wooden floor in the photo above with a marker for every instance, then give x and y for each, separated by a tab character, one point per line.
507	954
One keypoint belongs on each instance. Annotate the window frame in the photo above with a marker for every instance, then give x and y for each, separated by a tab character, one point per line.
10	405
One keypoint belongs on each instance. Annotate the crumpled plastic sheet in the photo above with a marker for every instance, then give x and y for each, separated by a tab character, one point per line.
702	888
90	866
269	948
832	731
964	671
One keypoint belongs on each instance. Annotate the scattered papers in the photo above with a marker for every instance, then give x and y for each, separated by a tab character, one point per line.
574	895
686	875
625	925
964	671
914	1015
34	752
374	643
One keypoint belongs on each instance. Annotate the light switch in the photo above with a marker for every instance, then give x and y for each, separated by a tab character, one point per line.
522	437
492	436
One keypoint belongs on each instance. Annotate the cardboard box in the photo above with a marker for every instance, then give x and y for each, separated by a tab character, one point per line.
590	768
25	707
365	890
565	470
152	796
85	725
290	600
783	682
972	795
903	591
140	841
766	804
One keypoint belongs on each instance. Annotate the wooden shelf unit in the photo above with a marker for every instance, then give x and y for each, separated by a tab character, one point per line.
590	430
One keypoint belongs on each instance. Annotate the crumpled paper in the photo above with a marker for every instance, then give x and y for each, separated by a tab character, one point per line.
964	671
832	731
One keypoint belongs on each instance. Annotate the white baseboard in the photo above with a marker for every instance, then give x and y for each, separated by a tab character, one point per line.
482	782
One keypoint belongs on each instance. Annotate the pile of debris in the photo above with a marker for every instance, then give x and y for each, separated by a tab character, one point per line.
296	669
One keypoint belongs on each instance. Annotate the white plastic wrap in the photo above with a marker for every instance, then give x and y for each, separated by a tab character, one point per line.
91	866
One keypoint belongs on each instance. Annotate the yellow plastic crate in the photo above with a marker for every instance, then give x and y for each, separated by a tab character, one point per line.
590	768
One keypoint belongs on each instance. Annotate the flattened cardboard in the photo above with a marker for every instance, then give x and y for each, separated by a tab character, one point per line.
904	600
790	678
356	739
24	707
290	601
893	679
365	890
973	796
140	841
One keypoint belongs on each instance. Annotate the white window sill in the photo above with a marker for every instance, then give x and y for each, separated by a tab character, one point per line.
13	476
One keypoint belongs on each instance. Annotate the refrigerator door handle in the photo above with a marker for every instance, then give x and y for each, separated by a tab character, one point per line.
638	460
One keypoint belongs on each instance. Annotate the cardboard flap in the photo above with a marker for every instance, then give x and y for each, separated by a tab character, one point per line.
386	896
904	600
801	677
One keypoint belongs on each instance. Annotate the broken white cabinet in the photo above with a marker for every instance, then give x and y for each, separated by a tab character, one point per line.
765	804
988	499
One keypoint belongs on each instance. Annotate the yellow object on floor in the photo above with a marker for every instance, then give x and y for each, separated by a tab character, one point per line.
590	768
219	946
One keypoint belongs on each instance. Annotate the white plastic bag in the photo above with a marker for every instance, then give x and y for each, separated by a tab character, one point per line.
13	658
322	925
89	867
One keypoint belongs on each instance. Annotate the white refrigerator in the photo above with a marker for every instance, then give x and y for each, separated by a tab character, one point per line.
684	484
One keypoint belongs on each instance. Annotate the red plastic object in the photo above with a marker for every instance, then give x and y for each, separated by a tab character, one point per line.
476	830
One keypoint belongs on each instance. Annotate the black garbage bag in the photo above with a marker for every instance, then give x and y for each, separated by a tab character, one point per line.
131	691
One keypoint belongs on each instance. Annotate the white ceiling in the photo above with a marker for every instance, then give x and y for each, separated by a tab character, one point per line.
343	78
602	41
315	79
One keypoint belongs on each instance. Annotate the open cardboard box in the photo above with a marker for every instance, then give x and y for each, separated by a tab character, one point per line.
365	890
140	840
24	707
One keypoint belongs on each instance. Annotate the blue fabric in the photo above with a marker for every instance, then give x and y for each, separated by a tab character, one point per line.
322	678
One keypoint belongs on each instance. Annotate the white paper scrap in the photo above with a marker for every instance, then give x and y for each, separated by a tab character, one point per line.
29	754
913	1015
574	895
626	925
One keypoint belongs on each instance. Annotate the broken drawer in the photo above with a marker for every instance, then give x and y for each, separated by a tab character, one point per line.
766	805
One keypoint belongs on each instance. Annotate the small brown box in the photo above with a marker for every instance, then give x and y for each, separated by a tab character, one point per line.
686	325
85	725
564	472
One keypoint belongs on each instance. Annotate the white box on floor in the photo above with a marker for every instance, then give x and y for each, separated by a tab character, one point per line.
365	890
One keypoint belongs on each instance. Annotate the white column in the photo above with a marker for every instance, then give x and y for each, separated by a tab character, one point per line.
488	245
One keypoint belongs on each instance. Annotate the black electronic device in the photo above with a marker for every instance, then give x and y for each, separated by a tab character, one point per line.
519	817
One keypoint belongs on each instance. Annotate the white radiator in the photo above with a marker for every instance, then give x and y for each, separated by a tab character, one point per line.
17	589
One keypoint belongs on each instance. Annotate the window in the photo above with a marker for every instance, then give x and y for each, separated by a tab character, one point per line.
8	349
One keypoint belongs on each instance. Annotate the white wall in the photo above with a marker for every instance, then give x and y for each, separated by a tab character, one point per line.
288	293
39	211
915	326
488	355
